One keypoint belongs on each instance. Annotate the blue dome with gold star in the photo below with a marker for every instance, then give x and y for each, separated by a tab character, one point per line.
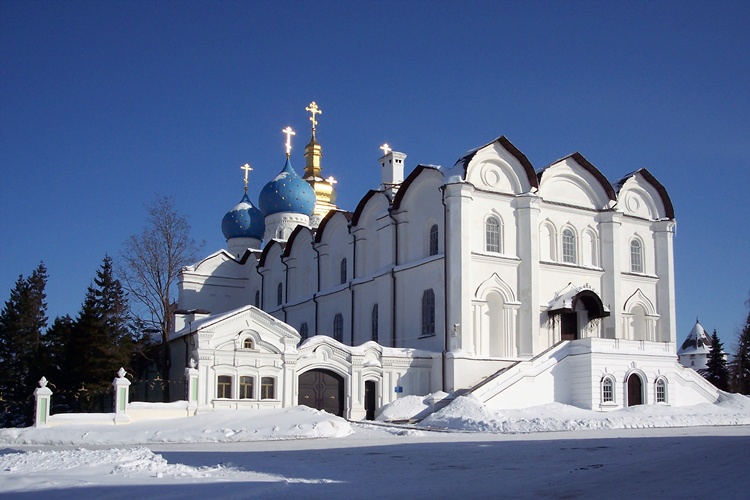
243	221
287	192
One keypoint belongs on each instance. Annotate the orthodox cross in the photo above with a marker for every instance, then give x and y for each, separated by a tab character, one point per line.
386	149
289	133
315	110
331	180
247	168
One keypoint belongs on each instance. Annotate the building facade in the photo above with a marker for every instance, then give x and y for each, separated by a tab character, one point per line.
518	285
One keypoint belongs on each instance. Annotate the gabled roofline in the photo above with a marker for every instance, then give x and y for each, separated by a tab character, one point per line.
330	215
362	203
290	242
590	168
408	182
510	148
665	199
267	249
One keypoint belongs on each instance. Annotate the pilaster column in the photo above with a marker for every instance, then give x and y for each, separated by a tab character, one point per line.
664	236
527	248
611	248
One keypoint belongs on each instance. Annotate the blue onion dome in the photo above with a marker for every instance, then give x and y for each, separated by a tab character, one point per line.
243	221
287	192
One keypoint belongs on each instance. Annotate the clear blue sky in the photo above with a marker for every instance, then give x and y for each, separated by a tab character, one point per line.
104	104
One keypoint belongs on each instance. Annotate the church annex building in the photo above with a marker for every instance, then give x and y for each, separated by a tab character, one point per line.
519	286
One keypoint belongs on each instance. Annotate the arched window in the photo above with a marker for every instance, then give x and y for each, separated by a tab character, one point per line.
224	387
636	256
608	390
338	327
343	271
246	387
661	391
428	312
492	235
303	331
374	323
267	388
257	298
434	240
247	344
569	246
279	294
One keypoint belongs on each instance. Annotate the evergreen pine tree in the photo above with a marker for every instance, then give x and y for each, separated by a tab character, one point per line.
56	367
741	360
101	341
716	367
22	322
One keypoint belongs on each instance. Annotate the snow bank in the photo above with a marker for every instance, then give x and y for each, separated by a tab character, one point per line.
467	413
298	422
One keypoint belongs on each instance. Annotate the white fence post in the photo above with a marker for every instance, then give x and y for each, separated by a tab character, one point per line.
191	379
122	395
43	396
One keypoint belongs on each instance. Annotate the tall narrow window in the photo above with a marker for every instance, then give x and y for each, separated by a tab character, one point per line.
374	323
434	240
279	294
569	246
661	391
608	390
338	327
343	271
492	235
257	298
267	388
224	387
636	256
303	331
246	387
428	312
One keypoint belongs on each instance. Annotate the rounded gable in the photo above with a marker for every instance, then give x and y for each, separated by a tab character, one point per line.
576	182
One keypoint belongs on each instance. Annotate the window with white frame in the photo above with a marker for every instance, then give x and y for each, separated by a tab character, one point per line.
338	327
224	387
569	246
246	387
374	323
661	391
434	240
608	390
428	312
636	256
492	235
247	343
343	271
267	388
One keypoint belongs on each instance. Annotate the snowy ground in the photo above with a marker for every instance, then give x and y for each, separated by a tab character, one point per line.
645	452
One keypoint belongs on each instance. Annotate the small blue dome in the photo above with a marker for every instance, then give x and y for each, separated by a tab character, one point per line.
287	192
243	221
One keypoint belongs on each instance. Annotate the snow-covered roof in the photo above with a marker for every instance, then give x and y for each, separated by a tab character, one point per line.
697	342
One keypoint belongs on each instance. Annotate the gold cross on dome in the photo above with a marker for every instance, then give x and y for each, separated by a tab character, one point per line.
289	133
247	168
315	110
386	149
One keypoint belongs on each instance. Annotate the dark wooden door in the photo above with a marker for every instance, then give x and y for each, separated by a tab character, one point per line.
568	326
323	390
635	390
370	400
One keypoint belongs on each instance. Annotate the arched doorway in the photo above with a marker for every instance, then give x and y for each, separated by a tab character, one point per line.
322	390
635	390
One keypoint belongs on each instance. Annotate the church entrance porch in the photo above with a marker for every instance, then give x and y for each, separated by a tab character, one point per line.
635	390
322	390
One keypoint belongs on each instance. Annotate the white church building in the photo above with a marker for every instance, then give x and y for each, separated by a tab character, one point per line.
517	285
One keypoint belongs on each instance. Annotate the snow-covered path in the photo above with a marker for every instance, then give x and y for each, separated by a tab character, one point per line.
378	463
